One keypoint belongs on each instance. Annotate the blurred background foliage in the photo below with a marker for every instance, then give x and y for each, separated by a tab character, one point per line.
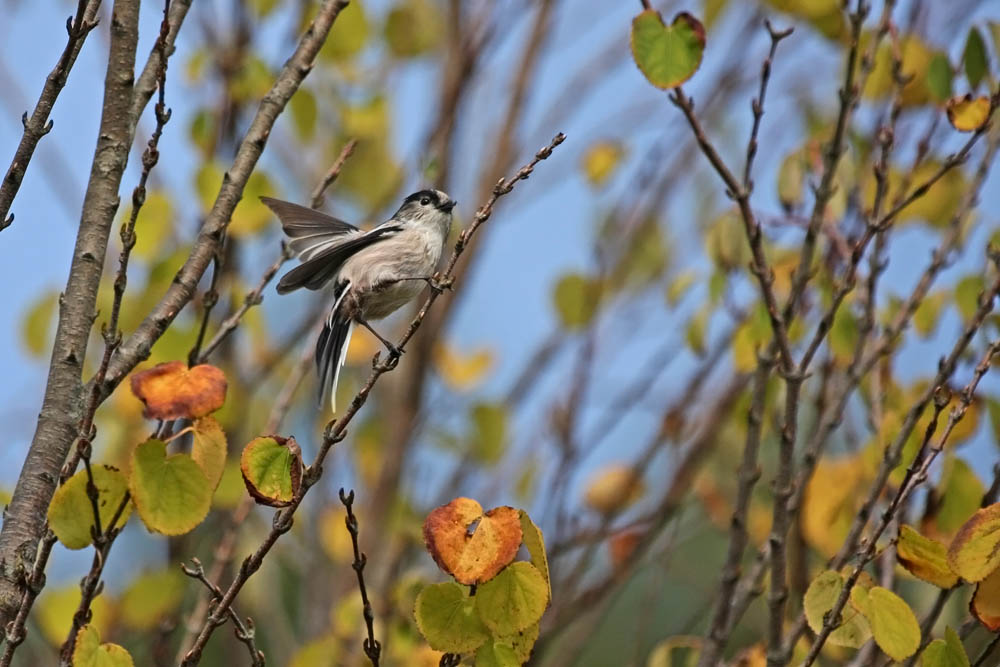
592	364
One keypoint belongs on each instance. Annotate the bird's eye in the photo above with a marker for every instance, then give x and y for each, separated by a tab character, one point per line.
425	201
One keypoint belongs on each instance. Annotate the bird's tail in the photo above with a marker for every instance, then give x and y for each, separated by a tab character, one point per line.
331	349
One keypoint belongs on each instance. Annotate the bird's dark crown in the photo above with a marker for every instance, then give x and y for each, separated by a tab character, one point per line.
417	196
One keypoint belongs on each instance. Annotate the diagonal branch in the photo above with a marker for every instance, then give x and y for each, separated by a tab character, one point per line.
38	125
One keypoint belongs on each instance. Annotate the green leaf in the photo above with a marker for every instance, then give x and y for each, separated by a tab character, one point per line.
209	449
90	652
348	35
577	299
304	111
151	597
413	28
204	131
272	470
534	542
975	551
171	493
523	642
893	624
668	56
489	432
447	618
939	75
853	630
696	328
961	492
947	652
924	558
514	600
496	654
71	515
974	57
967	292
36	327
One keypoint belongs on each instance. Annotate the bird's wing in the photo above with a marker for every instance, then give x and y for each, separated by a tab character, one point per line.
322	263
307	228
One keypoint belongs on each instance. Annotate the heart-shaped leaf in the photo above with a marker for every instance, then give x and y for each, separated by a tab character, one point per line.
447	618
668	56
474	556
514	600
90	652
71	515
853	630
967	114
947	652
171	493
171	390
208	449
272	470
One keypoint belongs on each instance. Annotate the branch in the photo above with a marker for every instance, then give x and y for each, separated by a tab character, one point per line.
38	125
60	414
372	647
138	346
244	632
336	430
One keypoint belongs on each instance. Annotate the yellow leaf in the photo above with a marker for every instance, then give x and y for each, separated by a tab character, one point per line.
209	449
90	652
924	558
333	535
150	598
601	160
975	552
71	514
37	325
967	114
853	630
894	627
985	603
461	371
55	608
613	488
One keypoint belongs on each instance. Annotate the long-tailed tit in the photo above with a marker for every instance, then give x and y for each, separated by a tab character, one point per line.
373	273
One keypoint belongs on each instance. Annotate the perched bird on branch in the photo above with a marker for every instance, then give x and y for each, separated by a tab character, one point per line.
372	273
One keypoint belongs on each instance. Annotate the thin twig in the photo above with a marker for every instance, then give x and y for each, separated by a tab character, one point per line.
245	632
38	125
316	197
372	647
336	430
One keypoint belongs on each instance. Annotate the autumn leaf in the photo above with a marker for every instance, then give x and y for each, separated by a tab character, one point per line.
894	627
967	114
90	652
975	552
208	449
171	390
71	514
472	554
272	470
513	600
667	55
447	618
613	488
924	558
171	493
985	604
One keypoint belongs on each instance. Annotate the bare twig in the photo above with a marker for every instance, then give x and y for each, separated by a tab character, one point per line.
372	647
38	125
316	197
245	632
336	430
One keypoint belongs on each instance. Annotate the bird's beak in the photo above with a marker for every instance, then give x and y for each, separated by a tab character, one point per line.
448	205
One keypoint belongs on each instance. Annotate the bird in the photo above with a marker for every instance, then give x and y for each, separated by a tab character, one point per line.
373	273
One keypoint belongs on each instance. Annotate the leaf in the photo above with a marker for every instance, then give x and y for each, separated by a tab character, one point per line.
413	28
171	493
893	624
476	556
171	390
974	57
947	652
924	558
90	652
601	160
348	35
975	552
304	112
985	604
489	432
151	597
522	642
680	651
272	470
56	606
534	542
322	652
577	299
853	630
152	227
613	488
792	179
514	600
496	654
967	114
939	75
667	56
36	325
207	181
251	215
447	618
209	449
461	371
680	285
71	515
967	292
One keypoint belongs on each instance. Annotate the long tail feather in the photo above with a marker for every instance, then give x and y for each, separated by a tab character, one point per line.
331	349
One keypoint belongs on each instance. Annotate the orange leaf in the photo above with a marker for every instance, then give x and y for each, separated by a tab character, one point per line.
476	555
622	545
171	390
985	604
